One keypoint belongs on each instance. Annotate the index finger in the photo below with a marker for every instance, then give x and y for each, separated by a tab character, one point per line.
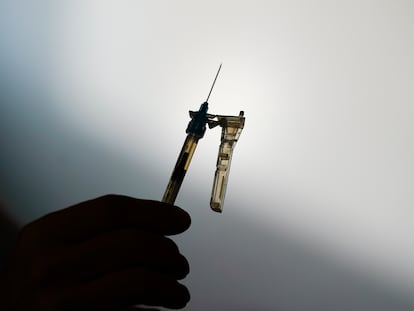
111	212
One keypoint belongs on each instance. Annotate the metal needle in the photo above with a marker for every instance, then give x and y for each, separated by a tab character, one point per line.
214	82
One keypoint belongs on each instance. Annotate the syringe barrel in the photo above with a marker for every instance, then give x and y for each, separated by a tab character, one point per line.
180	169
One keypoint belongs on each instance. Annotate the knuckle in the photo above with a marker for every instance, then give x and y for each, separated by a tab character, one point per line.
108	207
28	234
110	198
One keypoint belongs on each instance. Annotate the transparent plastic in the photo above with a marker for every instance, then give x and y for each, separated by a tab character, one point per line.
180	169
231	129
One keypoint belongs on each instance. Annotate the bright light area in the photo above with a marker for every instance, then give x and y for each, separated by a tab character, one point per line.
327	89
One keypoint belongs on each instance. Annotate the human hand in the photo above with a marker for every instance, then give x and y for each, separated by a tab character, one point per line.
108	253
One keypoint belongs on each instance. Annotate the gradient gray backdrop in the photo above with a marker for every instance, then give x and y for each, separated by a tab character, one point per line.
319	208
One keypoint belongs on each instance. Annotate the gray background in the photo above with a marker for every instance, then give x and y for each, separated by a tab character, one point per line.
318	214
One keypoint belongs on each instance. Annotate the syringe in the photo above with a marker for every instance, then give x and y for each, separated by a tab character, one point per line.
195	131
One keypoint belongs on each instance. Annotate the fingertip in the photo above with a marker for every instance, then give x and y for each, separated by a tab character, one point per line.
181	297
185	217
186	267
180	218
185	293
179	267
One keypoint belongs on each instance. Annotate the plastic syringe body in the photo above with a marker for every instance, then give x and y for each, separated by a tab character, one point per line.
195	131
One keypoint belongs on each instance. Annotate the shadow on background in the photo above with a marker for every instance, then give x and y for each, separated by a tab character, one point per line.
235	264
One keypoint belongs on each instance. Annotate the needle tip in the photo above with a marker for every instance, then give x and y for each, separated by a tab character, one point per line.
214	82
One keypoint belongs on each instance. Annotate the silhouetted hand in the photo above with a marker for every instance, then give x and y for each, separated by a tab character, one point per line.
109	253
